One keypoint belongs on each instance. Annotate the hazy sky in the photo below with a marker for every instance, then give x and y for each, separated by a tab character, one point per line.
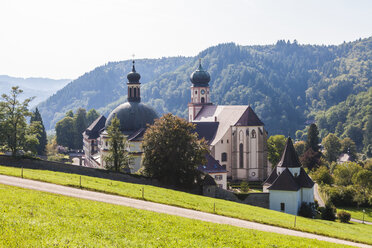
65	39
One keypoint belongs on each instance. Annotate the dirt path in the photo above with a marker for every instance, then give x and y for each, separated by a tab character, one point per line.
161	208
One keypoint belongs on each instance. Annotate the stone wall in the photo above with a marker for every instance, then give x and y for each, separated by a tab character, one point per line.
80	170
254	199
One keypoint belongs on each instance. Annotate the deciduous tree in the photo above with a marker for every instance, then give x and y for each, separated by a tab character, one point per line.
172	151
332	146
275	147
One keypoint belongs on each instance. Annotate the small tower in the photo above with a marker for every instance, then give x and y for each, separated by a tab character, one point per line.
199	91
134	85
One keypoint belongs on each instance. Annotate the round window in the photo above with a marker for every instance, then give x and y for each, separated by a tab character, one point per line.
253	174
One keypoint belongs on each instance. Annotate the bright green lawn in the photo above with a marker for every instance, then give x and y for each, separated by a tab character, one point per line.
36	219
354	232
357	213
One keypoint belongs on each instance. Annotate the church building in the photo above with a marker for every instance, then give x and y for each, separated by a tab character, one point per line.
236	136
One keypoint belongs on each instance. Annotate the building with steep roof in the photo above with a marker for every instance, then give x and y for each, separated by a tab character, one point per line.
215	170
288	184
236	136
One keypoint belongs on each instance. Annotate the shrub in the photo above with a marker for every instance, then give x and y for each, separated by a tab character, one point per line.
322	176
329	212
343	216
244	187
307	210
340	195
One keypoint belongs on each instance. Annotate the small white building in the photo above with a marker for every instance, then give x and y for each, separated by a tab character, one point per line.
289	185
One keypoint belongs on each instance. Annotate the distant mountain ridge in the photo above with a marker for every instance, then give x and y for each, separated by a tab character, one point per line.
41	88
286	83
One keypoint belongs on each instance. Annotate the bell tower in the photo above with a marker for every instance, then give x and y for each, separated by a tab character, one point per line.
134	85
199	91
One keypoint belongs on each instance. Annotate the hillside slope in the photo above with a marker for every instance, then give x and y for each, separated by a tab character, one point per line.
286	83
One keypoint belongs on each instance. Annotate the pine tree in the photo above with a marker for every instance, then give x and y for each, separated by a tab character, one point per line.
80	124
36	117
118	158
312	138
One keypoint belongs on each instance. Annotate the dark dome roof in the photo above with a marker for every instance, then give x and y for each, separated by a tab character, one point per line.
132	116
200	77
133	77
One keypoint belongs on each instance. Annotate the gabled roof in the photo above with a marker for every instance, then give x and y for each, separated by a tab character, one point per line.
209	181
303	180
227	116
212	166
249	118
285	181
273	176
289	157
94	129
206	130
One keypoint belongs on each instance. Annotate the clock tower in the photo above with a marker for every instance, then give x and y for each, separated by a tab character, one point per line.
199	91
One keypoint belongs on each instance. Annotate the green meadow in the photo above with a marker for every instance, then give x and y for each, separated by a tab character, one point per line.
354	232
357	213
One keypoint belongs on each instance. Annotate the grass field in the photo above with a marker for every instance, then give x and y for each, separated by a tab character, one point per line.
357	213
37	219
353	232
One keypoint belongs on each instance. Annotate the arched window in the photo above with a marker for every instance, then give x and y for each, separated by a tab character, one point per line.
202	100
253	134
241	157
130	93
223	156
135	92
247	132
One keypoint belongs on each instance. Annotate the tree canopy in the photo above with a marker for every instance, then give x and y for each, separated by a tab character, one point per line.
172	151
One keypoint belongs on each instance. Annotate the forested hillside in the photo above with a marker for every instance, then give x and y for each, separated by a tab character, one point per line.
40	88
287	84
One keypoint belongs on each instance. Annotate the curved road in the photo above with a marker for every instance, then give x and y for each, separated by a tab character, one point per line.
161	208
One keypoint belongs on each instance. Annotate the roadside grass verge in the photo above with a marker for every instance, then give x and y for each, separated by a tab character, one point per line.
354	232
37	219
357	213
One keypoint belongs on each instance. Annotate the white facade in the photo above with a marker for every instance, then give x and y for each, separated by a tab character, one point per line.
289	199
220	179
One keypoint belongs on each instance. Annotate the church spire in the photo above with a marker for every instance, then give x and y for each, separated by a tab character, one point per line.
134	85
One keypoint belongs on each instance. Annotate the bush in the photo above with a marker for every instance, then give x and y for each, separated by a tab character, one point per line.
343	216
244	187
340	195
307	210
329	212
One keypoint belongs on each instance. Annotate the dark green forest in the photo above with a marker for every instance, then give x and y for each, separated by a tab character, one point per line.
289	85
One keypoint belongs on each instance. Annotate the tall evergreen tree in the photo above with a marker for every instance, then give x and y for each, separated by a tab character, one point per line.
36	117
80	124
117	157
312	138
92	115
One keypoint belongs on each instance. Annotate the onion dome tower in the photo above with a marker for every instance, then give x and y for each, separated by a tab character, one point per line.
133	115
199	91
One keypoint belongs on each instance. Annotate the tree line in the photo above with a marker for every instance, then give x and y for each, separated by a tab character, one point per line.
18	135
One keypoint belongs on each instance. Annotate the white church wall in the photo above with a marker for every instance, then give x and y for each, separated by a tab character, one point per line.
223	146
291	200
307	194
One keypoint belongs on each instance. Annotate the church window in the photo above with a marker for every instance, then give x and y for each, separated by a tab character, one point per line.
241	157
282	206
227	141
247	132
221	141
253	134
130	92
241	136
196	92
202	100
135	92
223	156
